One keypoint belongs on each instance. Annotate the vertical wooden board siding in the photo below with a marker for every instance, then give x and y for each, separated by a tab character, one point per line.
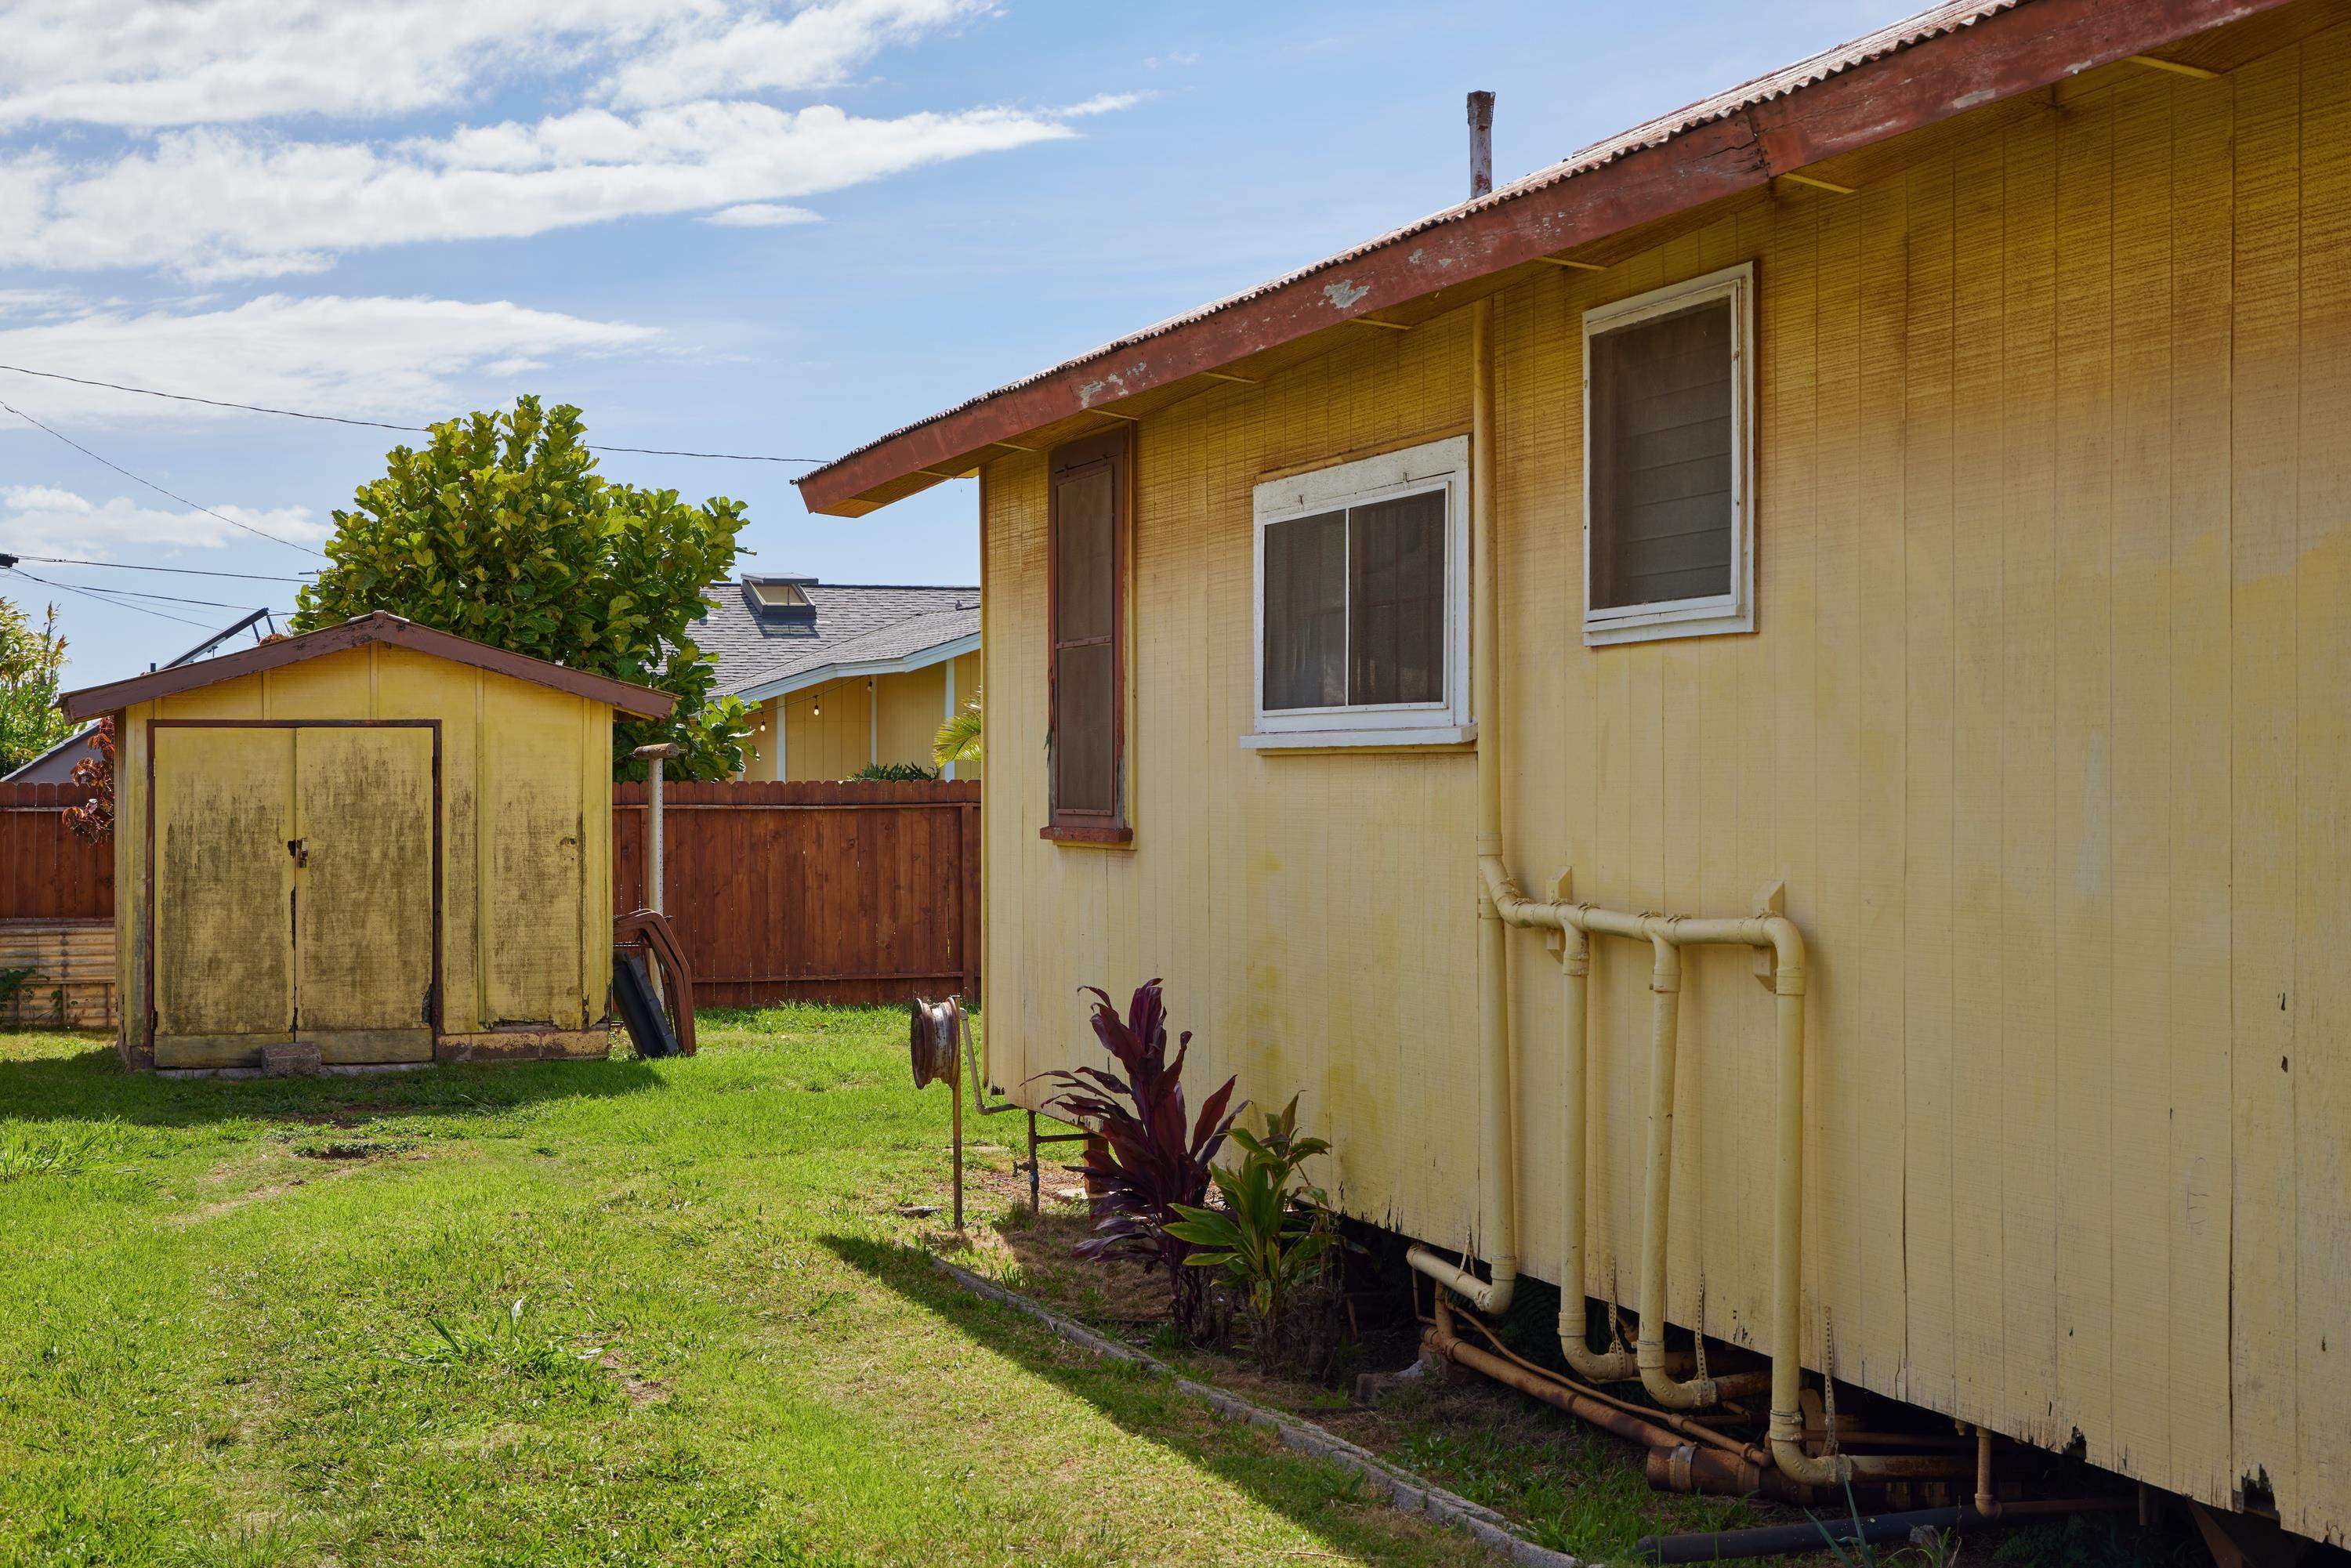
1841	1103
333	685
532	818
829	731
1877	1196
2028	1000
2321	1066
2266	423
2040	727
363	928
914	705
1930	985
133	882
2203	306
2083	705
410	684
2139	1025
224	947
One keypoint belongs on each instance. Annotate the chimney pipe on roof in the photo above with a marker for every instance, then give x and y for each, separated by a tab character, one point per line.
1482	143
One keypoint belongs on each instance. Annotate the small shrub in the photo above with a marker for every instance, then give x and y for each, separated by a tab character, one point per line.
893	773
1148	1158
1270	1240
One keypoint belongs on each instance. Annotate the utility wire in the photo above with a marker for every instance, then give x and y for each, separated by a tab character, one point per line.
163	598
102	599
132	566
159	489
375	424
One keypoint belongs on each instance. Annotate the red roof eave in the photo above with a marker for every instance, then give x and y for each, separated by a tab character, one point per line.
1946	61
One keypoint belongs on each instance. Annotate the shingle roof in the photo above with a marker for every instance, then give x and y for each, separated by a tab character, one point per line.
855	623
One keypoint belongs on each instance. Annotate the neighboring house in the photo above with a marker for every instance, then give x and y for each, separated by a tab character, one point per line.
55	765
1919	481
843	675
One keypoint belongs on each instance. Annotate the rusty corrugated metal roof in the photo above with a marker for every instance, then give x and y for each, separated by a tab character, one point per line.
1932	23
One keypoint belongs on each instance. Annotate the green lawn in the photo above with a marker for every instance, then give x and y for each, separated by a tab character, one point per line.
607	1312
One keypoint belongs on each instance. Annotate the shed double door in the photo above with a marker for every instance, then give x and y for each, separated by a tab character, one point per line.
294	890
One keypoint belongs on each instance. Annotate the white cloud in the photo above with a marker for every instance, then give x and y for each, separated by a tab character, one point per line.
43	520
1103	103
217	203
761	215
408	361
150	64
710	54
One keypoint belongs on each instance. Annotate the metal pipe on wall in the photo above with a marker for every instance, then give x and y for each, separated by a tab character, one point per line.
1498	1199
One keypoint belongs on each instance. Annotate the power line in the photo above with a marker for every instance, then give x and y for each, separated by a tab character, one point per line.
159	489
118	604
161	597
177	571
376	424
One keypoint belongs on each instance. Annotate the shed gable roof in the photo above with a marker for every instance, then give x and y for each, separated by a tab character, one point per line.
1944	61
381	627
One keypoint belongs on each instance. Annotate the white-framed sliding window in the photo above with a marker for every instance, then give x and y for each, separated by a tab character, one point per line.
1668	461
1363	602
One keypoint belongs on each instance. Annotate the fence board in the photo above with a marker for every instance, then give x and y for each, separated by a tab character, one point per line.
46	873
839	892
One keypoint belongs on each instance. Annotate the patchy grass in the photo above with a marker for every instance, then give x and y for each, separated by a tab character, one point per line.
609	1313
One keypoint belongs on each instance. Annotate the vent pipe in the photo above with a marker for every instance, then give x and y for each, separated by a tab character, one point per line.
1482	143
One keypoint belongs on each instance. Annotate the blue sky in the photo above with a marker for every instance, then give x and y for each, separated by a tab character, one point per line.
720	225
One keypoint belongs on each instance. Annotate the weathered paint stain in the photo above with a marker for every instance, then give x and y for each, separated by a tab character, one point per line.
1345	296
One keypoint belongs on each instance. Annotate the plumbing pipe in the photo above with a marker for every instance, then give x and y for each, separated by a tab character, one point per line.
1498	1176
1664	1024
1440	1339
1614	1365
1689	1427
1987	1500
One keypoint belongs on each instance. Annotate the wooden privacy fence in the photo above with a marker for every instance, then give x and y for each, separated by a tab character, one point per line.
46	873
837	893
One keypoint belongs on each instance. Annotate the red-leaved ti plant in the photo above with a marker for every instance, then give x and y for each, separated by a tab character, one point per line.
1148	1156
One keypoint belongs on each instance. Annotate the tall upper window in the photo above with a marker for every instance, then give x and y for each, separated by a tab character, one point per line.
1362	601
1086	516
1669	534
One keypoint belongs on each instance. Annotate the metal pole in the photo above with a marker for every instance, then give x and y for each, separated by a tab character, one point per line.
1482	143
954	1084
654	757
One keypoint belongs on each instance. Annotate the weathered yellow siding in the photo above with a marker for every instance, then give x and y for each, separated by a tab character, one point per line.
525	846
2043	728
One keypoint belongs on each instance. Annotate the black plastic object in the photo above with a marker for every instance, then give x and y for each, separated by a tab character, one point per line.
640	1010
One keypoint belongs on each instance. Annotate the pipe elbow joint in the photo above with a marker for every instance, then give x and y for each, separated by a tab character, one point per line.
1786	1441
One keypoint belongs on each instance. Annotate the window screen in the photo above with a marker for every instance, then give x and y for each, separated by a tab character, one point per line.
1355	606
1087	488
1662	458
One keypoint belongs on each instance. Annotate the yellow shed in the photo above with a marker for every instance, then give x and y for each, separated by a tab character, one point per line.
388	841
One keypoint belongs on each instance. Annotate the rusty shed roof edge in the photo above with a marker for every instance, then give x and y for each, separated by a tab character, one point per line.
381	626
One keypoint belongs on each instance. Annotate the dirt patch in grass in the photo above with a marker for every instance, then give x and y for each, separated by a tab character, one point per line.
640	1390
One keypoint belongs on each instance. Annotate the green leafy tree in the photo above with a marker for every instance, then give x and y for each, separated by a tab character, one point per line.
32	660
502	530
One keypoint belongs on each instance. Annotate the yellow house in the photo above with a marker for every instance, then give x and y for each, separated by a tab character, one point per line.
388	843
1885	531
842	677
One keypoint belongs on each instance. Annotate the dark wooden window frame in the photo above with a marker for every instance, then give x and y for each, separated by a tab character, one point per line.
1114	448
